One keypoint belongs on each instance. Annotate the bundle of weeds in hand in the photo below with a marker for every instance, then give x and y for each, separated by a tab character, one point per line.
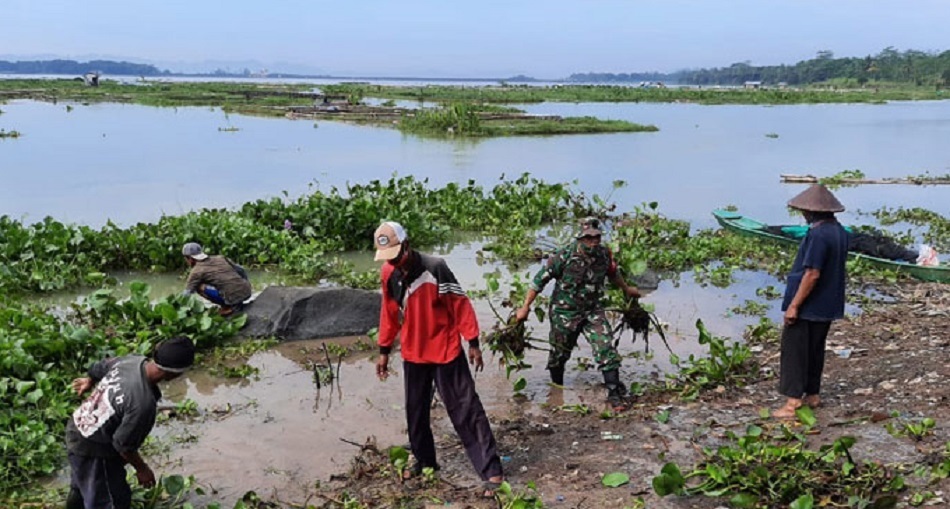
635	318
510	339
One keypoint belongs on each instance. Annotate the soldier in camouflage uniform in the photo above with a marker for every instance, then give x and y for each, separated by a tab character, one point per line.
581	269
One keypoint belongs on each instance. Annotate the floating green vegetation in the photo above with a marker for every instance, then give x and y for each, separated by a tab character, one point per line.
769	467
488	120
750	308
229	361
43	352
935	228
613	93
9	134
841	178
458	118
246	98
301	236
572	125
646	238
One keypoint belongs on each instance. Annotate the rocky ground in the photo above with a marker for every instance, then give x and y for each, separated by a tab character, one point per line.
887	366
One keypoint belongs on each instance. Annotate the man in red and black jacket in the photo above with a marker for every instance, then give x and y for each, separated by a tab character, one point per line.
424	304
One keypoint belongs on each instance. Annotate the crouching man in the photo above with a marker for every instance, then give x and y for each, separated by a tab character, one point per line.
107	430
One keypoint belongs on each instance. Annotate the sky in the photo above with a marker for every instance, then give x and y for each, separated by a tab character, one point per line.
465	39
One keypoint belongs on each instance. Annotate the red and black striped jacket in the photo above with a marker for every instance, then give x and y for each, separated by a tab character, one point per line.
424	304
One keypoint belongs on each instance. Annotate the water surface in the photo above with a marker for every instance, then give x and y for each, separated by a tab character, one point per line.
134	163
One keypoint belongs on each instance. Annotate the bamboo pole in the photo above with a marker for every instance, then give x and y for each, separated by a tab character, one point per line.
918	181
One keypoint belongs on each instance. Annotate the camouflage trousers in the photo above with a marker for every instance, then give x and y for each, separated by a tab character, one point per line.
566	328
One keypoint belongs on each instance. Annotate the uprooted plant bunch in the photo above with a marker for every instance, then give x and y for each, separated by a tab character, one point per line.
509	339
634	317
774	467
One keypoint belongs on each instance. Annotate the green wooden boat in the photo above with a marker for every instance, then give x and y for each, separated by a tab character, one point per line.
742	225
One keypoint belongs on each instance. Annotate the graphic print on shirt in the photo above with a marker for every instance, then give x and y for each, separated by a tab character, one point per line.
98	409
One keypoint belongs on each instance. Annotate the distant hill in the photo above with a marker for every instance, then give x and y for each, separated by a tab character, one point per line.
74	68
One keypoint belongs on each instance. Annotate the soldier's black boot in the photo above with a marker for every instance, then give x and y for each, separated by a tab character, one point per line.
74	499
557	375
616	392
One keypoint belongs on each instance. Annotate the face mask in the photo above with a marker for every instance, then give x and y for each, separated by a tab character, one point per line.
587	249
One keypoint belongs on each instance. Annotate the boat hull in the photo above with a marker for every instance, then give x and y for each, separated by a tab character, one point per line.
742	225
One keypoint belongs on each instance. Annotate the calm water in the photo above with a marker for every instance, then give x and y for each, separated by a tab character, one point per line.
133	163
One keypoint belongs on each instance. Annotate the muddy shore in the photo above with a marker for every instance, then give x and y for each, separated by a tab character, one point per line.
891	359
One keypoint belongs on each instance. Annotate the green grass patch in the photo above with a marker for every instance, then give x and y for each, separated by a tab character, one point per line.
613	93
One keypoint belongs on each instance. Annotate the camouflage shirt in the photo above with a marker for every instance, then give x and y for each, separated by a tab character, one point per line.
580	276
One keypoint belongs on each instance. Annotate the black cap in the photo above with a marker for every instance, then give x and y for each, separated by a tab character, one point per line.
175	355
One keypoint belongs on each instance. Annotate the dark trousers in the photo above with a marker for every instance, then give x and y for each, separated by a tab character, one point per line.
803	358
97	483
457	389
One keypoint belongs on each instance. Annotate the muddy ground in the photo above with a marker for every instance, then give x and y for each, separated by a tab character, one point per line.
893	357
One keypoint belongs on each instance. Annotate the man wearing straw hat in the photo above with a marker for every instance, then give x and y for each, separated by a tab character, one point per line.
814	297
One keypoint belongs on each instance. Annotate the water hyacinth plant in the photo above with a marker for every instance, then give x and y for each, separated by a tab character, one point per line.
40	353
300	236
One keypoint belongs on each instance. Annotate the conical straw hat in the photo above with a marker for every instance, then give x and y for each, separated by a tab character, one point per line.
816	198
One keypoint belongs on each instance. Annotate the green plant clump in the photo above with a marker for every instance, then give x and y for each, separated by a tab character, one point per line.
40	354
726	365
300	236
763	469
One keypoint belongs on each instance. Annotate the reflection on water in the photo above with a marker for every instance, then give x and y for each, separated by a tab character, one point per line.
281	431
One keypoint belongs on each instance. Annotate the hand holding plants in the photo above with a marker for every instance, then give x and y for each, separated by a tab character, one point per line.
522	313
81	385
632	292
145	476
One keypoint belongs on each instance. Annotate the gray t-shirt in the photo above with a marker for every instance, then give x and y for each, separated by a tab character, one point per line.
120	412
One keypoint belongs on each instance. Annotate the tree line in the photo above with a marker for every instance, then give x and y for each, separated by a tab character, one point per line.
79	68
913	67
918	68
